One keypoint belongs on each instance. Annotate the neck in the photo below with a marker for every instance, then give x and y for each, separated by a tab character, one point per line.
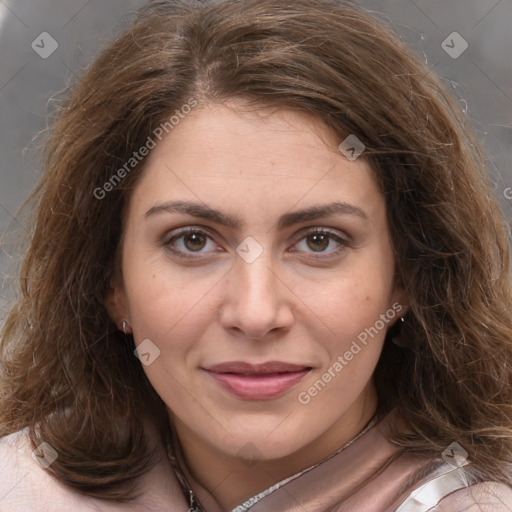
232	480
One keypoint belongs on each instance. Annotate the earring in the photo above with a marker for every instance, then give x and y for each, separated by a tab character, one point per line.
396	337
124	325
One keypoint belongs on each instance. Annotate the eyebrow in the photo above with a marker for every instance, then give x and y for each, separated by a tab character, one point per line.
288	219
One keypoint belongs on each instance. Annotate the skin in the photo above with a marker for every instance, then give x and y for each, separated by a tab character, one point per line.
298	302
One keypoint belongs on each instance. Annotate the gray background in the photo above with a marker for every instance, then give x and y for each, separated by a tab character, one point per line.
480	78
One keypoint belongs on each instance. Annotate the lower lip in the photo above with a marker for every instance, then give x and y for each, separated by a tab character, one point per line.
259	387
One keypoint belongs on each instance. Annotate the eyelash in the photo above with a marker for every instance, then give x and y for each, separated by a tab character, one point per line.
315	231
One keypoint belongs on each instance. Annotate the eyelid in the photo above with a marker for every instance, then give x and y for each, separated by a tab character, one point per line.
323	230
338	236
179	232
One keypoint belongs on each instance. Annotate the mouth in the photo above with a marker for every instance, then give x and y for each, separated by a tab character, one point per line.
257	381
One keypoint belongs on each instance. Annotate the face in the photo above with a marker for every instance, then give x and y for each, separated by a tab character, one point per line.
258	279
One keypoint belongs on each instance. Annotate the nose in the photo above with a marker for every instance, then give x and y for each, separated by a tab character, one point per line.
257	303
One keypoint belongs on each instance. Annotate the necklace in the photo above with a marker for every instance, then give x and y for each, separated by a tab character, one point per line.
195	505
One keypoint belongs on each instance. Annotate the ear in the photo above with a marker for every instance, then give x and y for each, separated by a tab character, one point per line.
116	305
400	302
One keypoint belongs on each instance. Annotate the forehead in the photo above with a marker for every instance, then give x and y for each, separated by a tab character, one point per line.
231	156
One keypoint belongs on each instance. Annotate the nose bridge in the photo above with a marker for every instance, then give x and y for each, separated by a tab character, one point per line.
254	301
255	272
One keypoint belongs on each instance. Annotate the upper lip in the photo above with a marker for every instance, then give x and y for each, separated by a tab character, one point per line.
262	368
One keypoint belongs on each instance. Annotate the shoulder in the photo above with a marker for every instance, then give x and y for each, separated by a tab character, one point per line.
447	489
453	486
482	497
26	486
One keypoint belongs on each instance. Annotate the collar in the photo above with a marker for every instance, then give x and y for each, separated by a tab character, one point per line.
200	500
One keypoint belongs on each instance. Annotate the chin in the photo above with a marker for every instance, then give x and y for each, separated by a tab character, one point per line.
252	452
262	445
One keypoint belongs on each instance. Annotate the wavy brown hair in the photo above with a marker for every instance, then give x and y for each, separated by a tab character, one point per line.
68	373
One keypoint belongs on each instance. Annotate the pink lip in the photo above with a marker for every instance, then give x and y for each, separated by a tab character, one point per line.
258	381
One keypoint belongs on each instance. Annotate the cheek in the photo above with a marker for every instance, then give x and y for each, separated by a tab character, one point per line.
161	297
357	315
347	302
172	316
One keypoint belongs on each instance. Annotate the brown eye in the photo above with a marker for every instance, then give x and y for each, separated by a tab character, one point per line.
194	241
189	241
318	241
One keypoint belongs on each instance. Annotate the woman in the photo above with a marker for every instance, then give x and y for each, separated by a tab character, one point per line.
266	273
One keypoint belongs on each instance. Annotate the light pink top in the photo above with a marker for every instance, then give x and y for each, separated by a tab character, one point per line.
368	475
